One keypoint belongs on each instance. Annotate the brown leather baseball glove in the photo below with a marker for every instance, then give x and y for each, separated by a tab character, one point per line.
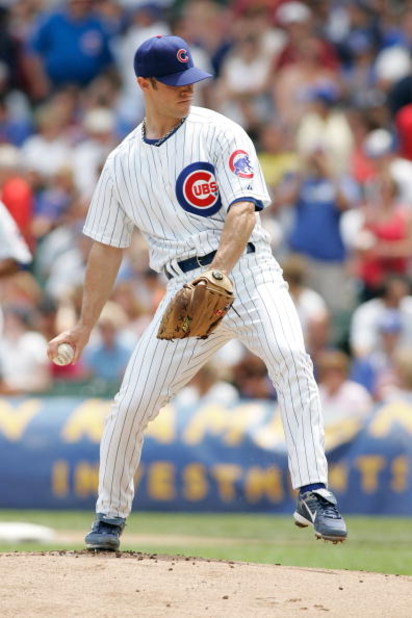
198	307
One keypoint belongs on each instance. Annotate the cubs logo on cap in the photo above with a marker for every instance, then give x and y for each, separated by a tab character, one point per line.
182	55
197	191
239	164
167	59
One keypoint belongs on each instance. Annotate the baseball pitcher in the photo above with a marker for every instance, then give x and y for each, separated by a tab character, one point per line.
188	178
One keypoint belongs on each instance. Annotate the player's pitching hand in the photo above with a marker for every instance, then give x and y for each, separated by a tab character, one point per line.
58	349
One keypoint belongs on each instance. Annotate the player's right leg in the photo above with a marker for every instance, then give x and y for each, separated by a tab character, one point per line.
157	370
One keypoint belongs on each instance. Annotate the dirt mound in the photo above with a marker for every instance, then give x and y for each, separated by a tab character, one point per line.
89	584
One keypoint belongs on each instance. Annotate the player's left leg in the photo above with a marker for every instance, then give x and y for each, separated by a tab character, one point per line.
268	324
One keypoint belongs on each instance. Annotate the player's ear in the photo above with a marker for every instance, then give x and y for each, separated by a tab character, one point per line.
143	83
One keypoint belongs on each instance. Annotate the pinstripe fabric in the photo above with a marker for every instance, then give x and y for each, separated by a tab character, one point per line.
138	188
158	190
267	323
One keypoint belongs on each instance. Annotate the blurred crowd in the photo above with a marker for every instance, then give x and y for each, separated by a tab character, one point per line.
324	88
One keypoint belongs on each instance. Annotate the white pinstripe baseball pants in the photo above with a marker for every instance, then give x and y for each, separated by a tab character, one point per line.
268	325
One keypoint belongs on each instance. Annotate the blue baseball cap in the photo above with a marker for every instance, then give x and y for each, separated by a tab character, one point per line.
168	59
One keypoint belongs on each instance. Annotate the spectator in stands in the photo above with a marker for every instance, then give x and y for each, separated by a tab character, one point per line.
210	385
357	73
294	82
53	201
296	19
138	315
319	196
326	126
145	21
106	358
384	240
380	147
341	398
375	371
403	124
49	149
89	155
243	87
319	339
250	377
276	152
24	366
69	45
402	389
14	130
310	305
67	271
364	327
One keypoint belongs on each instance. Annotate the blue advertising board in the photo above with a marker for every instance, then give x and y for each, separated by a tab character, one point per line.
207	458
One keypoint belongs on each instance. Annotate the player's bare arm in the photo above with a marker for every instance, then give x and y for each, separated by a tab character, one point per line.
236	232
102	267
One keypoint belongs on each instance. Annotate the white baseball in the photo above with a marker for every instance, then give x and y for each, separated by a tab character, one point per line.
65	354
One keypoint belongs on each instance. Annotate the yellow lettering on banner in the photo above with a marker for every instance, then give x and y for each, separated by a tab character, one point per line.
338	477
341	432
271	435
161	481
399	412
261	482
86	479
241	419
195	485
14	419
400	474
213	419
86	421
60	478
226	475
163	427
369	467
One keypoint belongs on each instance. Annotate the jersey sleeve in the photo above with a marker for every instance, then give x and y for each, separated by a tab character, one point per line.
107	221
238	170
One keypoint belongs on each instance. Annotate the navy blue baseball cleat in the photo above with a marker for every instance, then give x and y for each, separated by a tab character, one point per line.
105	533
318	508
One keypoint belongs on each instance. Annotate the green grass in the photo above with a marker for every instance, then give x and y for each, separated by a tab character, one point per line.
381	544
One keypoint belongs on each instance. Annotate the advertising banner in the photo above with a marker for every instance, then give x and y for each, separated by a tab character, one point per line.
207	458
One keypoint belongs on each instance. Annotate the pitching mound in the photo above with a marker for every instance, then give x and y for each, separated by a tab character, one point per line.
85	584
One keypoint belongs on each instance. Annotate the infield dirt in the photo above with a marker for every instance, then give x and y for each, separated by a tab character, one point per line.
85	584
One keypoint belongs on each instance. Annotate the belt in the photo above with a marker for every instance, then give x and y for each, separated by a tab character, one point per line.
202	260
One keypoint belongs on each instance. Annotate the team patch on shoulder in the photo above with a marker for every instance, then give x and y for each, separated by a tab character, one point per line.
196	189
239	164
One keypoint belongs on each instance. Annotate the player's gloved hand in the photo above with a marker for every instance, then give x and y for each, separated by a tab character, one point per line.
198	307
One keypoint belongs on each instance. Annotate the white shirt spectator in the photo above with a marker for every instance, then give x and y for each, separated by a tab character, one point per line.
45	157
364	328
351	401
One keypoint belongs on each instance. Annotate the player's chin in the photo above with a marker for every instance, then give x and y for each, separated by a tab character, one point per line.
184	106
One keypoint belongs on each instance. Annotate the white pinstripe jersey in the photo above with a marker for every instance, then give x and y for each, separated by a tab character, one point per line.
177	194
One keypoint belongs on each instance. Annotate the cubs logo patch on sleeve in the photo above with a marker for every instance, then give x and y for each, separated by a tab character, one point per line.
239	164
197	191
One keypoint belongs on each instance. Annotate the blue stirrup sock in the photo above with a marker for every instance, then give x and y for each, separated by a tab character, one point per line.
311	487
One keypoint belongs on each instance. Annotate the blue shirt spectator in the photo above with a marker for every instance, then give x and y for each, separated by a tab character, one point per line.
320	199
73	44
107	357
